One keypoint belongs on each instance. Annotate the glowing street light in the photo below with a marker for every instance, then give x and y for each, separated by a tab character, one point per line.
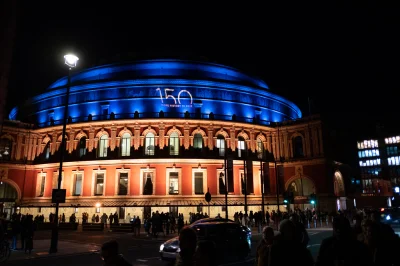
71	61
98	205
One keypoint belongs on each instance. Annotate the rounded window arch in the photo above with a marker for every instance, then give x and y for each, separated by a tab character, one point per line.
221	145
103	146
126	144
82	146
149	144
198	141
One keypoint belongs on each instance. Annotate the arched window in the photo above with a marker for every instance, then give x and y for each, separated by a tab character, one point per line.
149	144
126	144
241	147
82	147
103	145
47	151
174	144
298	147
198	141
260	149
221	145
5	149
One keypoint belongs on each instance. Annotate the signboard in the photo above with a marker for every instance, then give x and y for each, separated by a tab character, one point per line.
58	195
267	184
230	174
250	184
178	98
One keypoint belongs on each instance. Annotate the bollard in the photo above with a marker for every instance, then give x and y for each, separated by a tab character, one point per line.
308	224
327	221
315	223
320	222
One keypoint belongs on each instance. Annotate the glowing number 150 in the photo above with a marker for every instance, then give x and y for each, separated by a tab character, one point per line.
170	96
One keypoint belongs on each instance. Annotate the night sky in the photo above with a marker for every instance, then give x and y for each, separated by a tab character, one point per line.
346	60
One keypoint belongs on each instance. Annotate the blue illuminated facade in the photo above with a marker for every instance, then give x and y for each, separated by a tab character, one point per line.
142	89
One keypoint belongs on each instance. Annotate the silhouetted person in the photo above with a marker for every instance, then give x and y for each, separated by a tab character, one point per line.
111	256
187	244
342	248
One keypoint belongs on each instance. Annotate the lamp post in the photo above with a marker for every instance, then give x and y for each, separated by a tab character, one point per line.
71	61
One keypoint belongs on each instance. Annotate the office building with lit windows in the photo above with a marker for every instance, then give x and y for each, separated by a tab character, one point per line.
379	166
157	135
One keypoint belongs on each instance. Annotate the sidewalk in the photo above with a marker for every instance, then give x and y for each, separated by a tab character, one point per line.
41	249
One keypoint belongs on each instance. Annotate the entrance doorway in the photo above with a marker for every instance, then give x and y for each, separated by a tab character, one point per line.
146	212
8	196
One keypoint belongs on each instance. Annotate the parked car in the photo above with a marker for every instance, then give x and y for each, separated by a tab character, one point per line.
229	238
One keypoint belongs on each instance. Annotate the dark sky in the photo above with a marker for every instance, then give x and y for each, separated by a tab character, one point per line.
346	60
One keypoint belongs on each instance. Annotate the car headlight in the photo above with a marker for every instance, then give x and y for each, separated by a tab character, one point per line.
388	218
162	247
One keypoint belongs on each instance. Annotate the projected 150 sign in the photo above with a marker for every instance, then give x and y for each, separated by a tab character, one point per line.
169	100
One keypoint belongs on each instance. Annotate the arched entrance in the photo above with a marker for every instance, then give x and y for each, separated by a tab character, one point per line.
8	196
339	191
302	187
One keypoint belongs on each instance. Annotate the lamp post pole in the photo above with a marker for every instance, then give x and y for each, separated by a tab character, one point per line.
226	183
262	191
71	61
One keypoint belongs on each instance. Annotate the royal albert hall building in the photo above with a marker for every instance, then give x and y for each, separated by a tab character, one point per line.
157	135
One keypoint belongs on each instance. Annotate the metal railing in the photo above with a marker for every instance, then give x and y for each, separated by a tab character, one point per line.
146	115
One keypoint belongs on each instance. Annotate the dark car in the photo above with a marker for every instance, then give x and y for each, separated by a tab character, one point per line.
229	238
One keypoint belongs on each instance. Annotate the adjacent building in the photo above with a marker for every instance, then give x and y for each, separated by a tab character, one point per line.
157	135
380	167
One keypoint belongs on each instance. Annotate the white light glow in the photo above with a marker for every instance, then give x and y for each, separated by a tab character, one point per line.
71	60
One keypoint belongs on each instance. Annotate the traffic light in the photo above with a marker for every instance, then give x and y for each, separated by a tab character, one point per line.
286	198
313	199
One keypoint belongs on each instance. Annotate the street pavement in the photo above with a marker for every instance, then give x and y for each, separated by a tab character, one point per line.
82	248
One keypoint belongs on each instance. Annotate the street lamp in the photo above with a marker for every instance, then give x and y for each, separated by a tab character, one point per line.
71	61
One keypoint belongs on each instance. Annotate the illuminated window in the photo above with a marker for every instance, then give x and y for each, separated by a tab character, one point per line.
198	141
123	183
41	184
173	183
82	147
99	184
149	144
55	180
5	149
198	183
147	182
221	145
103	145
174	144
126	144
77	189
241	147
260	149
